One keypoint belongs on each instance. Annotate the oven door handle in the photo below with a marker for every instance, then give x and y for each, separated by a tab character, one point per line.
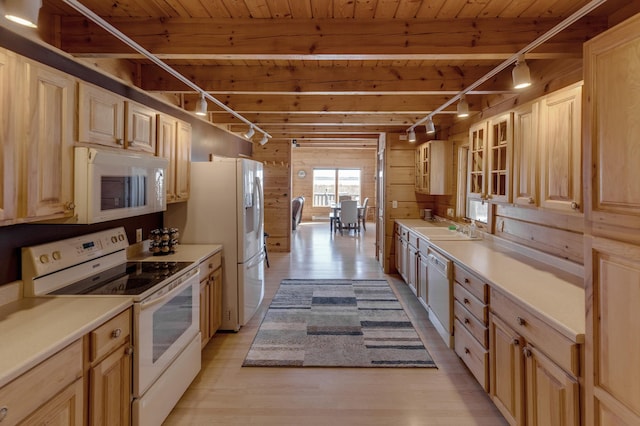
145	304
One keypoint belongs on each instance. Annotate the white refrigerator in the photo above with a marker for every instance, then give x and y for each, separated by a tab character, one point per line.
226	207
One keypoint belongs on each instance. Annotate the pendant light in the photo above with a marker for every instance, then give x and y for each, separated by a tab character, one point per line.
249	133
412	135
23	12
521	75
430	128
201	106
264	139
463	107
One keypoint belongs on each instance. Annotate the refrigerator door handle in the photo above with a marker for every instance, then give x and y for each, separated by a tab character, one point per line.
256	260
258	190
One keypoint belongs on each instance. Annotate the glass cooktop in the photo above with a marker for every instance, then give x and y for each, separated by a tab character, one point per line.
131	278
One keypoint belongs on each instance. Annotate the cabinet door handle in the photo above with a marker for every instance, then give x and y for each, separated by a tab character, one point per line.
574	205
3	413
211	266
128	350
119	141
466	280
69	205
131	143
521	321
116	333
527	352
466	351
466	301
466	321
515	342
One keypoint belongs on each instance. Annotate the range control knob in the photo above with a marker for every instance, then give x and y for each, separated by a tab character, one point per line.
44	258
120	237
56	255
114	239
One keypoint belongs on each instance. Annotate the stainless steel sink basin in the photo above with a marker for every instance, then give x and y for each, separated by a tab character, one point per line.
442	234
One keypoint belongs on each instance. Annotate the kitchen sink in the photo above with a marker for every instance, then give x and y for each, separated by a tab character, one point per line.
443	234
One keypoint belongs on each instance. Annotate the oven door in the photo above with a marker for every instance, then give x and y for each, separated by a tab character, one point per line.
164	324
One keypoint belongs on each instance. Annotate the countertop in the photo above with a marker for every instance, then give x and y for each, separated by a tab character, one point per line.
32	329
555	295
184	253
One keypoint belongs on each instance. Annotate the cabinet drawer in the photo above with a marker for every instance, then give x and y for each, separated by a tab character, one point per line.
472	283
210	264
477	328
25	394
472	303
473	354
556	346
110	335
414	240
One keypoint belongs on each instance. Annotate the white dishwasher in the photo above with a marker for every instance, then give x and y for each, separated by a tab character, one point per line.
440	291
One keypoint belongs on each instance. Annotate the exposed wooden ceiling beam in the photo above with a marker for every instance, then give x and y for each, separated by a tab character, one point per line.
323	38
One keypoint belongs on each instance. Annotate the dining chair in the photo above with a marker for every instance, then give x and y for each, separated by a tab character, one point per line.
362	214
348	216
344	198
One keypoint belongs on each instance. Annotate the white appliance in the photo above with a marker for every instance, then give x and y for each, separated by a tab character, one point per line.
440	291
226	207
110	184
166	309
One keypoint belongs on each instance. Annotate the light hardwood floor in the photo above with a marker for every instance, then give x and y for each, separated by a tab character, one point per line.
225	393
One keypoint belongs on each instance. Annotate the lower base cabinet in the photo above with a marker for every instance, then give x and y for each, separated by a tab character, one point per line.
210	297
527	386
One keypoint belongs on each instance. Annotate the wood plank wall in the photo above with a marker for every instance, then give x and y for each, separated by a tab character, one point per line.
309	158
276	157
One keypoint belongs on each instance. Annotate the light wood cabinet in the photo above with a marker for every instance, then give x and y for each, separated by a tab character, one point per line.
108	119
174	144
58	400
423	267
210	297
560	150
612	210
100	116
499	157
533	369
525	154
477	182
471	323
8	139
140	127
110	377
433	168
48	161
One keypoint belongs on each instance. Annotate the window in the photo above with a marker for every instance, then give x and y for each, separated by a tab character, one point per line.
331	184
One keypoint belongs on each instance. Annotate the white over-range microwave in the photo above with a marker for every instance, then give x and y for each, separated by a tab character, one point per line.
112	185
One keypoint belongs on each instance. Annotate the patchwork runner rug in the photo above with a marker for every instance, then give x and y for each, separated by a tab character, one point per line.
336	323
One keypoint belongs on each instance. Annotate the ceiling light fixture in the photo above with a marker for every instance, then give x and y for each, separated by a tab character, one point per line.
520	73
571	19
430	128
264	139
412	135
135	46
463	107
249	133
23	12
201	106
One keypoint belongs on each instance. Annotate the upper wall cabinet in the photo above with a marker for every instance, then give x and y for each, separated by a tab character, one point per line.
477	182
525	154
140	127
174	144
433	168
48	166
108	119
499	157
8	140
612	150
100	116
560	148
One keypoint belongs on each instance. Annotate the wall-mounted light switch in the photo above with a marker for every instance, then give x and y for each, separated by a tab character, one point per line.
138	235
394	204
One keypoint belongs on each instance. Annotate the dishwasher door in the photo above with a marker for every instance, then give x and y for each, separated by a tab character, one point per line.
440	295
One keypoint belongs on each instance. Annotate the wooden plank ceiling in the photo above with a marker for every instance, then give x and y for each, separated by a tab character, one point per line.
326	71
